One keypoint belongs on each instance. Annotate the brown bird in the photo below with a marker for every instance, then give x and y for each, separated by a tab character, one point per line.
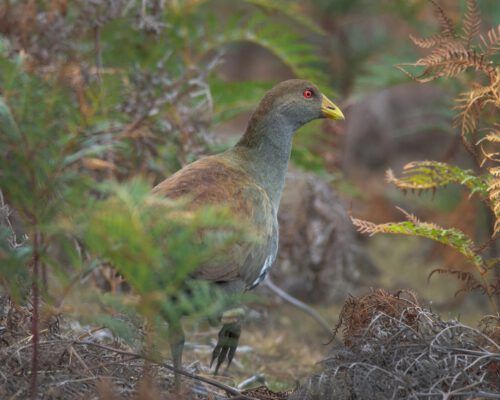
249	179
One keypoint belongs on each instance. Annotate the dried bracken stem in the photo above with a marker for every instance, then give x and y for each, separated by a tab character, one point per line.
35	319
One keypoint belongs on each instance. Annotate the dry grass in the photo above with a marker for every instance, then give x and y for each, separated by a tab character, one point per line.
84	362
78	363
392	347
395	349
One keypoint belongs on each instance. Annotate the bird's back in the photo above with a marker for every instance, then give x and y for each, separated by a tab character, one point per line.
221	180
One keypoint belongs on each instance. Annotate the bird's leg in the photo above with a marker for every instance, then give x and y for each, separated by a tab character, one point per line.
229	336
176	339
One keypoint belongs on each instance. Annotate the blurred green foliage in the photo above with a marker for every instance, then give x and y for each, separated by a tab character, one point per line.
94	95
155	244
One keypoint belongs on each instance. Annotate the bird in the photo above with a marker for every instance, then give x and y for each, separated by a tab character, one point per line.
249	179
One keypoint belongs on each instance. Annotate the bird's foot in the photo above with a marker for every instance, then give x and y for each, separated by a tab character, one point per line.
227	343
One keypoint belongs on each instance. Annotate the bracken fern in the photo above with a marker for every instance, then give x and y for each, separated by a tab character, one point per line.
451	54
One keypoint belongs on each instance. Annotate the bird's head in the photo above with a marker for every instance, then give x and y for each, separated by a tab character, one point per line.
300	100
293	103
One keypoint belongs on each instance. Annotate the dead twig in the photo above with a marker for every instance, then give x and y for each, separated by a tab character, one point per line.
228	389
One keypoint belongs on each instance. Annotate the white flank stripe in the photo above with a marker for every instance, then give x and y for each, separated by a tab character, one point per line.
267	264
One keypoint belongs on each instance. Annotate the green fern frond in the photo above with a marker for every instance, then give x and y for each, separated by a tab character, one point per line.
450	237
292	10
232	98
430	175
298	55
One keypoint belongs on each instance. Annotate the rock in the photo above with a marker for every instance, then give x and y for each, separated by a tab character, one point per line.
319	258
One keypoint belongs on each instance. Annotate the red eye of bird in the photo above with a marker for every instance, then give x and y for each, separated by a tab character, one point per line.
308	93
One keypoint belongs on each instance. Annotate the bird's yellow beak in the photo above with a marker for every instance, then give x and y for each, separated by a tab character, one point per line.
330	110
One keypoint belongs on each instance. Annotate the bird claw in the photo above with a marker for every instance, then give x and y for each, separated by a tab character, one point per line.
227	343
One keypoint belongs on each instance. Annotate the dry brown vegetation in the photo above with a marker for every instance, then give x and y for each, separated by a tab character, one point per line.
395	349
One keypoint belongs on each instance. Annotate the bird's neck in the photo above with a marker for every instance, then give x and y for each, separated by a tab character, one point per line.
267	144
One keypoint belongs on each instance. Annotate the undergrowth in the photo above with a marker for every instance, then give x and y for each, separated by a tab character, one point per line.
393	348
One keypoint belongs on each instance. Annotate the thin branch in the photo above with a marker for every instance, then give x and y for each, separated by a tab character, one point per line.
229	389
98	52
35	317
299	304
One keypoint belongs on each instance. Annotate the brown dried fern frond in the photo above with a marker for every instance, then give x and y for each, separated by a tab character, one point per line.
489	43
447	50
424	77
455	68
413	218
451	59
490	156
471	103
452	54
446	34
471	22
427	43
368	227
447	26
447	60
491	140
494	196
357	312
467	279
493	136
495	171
